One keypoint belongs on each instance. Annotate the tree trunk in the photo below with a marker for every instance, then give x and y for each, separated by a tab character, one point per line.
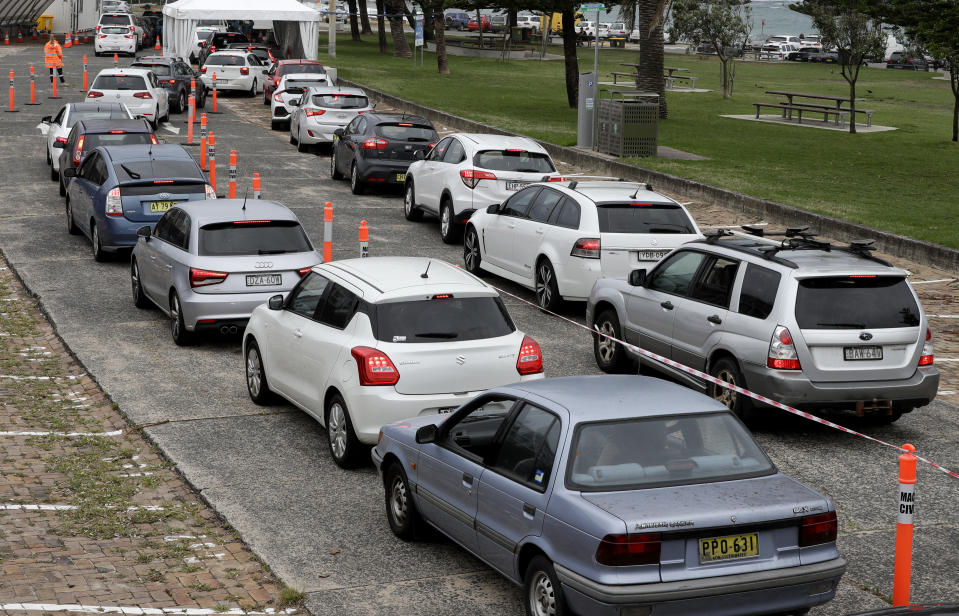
479	21
364	19
725	71
852	107
354	24
954	79
380	25
401	47
439	26
572	61
649	76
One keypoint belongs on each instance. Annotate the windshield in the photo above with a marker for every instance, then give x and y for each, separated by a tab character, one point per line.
297	86
204	35
226	60
287	69
856	302
643	218
663	451
112	114
449	319
115	20
160	70
147	170
514	160
119	82
224	38
340	101
92	140
403	132
242	238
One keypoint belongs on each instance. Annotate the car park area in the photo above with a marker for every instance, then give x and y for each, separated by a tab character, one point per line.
267	470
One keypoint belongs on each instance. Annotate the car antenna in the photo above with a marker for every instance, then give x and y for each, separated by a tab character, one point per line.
245	195
426	274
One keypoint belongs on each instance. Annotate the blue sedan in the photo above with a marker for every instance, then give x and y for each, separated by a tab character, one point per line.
614	495
118	189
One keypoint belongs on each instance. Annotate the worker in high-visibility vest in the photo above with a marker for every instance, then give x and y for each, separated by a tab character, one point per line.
53	58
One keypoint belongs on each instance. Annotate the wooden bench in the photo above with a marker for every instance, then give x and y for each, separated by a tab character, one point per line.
826	112
617	41
671	78
616	74
868	112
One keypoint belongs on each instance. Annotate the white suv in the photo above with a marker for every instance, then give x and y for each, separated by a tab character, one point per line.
361	343
466	172
291	87
121	20
561	237
137	88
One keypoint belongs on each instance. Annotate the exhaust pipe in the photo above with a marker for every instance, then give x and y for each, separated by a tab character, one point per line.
224	329
233	329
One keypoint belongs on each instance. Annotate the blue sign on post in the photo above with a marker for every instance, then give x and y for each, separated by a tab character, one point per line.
418	34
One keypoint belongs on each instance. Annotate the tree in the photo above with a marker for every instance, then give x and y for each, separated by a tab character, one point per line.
401	46
435	9
354	25
380	25
364	19
724	24
845	25
651	15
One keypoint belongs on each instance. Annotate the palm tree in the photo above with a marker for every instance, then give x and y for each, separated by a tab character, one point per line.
401	46
651	15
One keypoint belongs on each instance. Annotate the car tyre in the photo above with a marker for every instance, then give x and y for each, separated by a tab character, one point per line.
99	255
450	231
253	89
412	213
301	147
611	356
71	226
181	337
547	291
49	160
293	140
63	189
139	299
346	449
727	369
356	184
276	125
472	258
542	593
401	512
334	172
256	384
201	97
54	174
181	102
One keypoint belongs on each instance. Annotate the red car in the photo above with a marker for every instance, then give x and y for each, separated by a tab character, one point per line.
473	26
285	67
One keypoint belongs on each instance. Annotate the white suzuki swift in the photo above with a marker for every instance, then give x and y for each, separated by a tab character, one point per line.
361	343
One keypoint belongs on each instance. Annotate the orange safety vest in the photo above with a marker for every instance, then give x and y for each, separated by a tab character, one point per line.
52	55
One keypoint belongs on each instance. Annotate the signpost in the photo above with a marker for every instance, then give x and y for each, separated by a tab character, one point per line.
331	47
590	102
418	39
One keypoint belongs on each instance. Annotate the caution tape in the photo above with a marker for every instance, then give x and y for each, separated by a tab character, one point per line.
711	379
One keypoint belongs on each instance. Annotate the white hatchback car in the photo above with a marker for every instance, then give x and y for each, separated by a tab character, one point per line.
114	39
560	238
361	343
137	88
466	172
59	126
292	87
235	69
322	110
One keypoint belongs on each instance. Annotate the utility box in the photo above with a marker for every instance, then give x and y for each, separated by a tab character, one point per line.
628	127
586	110
519	35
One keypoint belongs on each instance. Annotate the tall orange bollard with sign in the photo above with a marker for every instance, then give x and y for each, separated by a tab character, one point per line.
902	573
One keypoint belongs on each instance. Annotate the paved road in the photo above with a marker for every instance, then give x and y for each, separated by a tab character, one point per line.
268	471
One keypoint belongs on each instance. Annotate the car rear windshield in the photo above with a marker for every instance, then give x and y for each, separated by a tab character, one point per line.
226	60
119	82
340	101
148	170
643	218
253	238
261	54
204	35
92	140
115	30
113	114
451	319
514	160
160	70
297	87
856	302
407	132
115	20
663	451
224	38
288	69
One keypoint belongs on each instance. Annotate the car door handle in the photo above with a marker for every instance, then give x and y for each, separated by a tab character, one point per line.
298	333
511	225
714	318
467	479
540	231
169	266
668	305
529	511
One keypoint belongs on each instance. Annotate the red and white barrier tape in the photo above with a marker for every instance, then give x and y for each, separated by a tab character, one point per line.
736	388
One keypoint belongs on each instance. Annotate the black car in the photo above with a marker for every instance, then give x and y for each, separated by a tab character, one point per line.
88	134
264	53
219	41
906	61
377	148
174	74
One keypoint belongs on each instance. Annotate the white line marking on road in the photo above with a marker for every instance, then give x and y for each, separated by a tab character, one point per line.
32	433
136	611
22	507
172	538
947	359
192	560
170	127
15	377
933	281
943	316
946	392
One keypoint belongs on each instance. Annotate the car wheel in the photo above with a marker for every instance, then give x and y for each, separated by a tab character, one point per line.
63	189
266	98
256	383
300	146
400	510
139	299
449	230
54	174
71	226
253	89
541	589
610	356
182	102
344	447
547	292
471	251
410	210
275	125
334	172
293	140
356	185
181	337
49	160
201	98
727	370
99	254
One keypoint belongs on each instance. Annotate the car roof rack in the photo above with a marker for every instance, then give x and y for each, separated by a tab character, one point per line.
577	178
797	238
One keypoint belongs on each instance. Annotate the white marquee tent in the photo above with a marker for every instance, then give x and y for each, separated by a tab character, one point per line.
295	25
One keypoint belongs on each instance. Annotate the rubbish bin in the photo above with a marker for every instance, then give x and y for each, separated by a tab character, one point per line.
629	127
45	23
519	35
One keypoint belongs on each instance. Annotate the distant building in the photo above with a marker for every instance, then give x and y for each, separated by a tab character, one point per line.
73	14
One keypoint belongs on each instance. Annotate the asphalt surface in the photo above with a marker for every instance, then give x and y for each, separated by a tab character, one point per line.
268	471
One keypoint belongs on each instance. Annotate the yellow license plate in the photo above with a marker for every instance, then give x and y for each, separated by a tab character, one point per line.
731	547
161	206
400	177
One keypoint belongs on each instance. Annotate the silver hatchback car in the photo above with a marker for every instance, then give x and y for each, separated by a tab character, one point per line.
798	320
207	265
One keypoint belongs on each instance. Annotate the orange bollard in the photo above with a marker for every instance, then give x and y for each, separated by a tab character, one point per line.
256	185
212	155
327	232
13	106
84	73
214	94
902	576
231	190
203	142
189	125
364	239
33	87
54	80
157	47
193	95
116	61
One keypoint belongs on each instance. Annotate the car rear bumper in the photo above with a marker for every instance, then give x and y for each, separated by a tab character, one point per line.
229	308
314	132
385	169
760	592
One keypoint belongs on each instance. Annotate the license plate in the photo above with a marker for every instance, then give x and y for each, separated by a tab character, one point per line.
650	255
161	206
731	547
263	280
516	185
445	411
400	177
862	352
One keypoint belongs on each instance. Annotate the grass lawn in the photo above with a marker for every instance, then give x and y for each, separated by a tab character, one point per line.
905	181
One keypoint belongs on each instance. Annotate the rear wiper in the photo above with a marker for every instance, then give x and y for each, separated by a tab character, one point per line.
449	335
272	252
133	174
849	325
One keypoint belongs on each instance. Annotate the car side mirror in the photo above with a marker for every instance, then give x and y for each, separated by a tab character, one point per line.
200	44
46	119
637	277
373	106
276	302
59	145
419	155
427	434
70	172
493	209
338	132
145	232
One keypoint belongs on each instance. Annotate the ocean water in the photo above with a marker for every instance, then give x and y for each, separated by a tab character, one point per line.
778	19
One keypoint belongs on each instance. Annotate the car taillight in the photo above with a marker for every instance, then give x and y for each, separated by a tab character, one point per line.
927	357
626	550
114	205
78	152
202	278
203	70
303	271
375	144
430	146
128	36
101	36
244	71
210	193
782	352
142	95
94	94
277	98
313	111
374	366
472	177
61	139
530	360
586	247
556	178
816	529
171	81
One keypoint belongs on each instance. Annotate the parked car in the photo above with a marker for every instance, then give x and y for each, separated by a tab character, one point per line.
90	134
137	88
291	88
466	172
235	70
287	67
322	110
810	40
260	51
498	23
785	38
360	343
560	238
608	495
617	28
114	39
59	126
906	61
808	324
122	20
377	148
474	26
456	20
201	37
528	21
208	265
119	189
175	76
219	42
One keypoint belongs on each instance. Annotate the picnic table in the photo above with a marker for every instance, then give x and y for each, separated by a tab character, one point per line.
669	75
836	108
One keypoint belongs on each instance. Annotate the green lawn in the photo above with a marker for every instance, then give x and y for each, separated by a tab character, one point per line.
905	181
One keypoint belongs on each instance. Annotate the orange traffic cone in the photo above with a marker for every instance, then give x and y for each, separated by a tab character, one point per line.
86	38
33	35
157	47
19	35
6	37
67	44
